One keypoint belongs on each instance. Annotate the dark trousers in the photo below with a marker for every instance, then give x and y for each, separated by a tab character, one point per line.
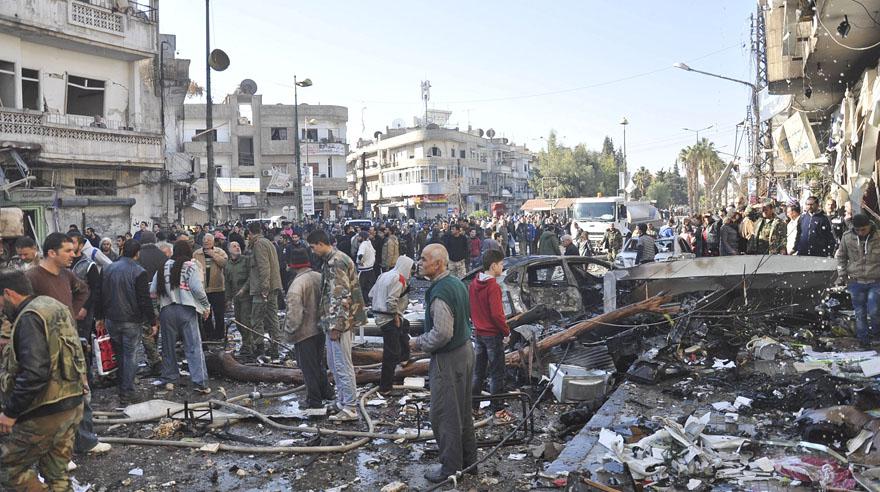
313	364
212	328
489	356
395	349
451	376
125	337
367	278
85	438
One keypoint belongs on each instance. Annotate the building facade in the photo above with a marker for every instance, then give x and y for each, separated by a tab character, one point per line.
822	67
254	156
80	120
425	172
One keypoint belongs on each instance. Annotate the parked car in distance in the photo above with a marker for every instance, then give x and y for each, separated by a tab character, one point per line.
668	248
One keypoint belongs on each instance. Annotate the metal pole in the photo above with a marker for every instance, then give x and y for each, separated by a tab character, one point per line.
756	139
299	202
625	173
209	116
366	206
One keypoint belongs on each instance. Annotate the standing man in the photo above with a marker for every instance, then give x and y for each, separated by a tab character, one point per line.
568	246
237	290
815	236
127	307
152	259
490	326
264	286
366	264
548	243
390	249
612	241
390	300
301	328
646	250
53	278
770	234
794	213
137	235
838	225
212	261
522	237
43	376
457	245
448	339
859	267
236	236
341	310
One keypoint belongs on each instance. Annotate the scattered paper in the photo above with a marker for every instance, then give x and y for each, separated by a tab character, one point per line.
378	402
723	406
694	484
859	441
764	464
731	417
210	448
516	456
137	472
414	382
742	401
723	364
871	367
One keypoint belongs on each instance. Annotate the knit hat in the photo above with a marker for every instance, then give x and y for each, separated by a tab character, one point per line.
860	220
298	258
148	237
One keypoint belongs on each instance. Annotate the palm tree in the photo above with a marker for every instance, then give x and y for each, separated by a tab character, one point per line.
710	166
642	180
688	157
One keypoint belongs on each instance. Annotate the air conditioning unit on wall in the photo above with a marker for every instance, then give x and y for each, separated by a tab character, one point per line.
266	173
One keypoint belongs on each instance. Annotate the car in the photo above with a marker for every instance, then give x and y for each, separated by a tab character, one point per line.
364	224
571	285
668	248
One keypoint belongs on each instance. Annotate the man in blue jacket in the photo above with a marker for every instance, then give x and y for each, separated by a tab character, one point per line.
816	237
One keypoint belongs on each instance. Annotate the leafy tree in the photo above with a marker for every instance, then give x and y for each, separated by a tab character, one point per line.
661	191
642	179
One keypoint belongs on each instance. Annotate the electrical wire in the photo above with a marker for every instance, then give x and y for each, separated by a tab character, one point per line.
831	35
512	433
866	11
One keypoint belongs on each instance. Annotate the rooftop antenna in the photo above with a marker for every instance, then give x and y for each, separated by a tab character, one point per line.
426	96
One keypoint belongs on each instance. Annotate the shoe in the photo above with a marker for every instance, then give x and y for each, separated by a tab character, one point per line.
436	475
101	447
204	390
130	398
344	415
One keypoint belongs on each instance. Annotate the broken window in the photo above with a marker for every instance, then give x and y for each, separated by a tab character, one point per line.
245	114
85	96
7	84
279	133
95	187
310	134
545	275
30	89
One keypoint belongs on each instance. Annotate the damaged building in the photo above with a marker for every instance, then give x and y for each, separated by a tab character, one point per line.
81	103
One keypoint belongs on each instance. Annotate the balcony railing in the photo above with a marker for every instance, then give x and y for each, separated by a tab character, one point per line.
246	159
80	121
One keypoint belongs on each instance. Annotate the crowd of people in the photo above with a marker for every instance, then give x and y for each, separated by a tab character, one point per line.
160	286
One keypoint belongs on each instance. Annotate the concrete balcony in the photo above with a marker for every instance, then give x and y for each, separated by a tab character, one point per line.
89	27
81	145
416	189
199	148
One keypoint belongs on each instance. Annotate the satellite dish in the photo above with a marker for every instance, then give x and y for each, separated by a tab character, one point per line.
490	133
248	86
218	60
377	135
398	123
480	132
433	126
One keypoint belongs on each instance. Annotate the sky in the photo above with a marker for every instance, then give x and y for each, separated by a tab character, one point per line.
523	68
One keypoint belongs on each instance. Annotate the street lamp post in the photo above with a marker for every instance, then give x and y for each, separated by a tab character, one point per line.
624	122
756	112
697	132
299	201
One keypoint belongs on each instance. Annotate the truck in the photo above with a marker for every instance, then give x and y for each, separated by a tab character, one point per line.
594	214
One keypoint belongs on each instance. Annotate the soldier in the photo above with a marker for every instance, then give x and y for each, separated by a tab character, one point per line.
612	241
237	288
26	255
770	234
264	285
341	310
42	399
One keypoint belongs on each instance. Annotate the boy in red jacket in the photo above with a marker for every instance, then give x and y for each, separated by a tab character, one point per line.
490	325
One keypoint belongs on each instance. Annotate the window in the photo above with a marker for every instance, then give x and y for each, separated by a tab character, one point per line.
85	96
245	151
435	152
279	133
329	167
314	166
330	136
310	135
30	88
95	187
202	135
7	84
461	154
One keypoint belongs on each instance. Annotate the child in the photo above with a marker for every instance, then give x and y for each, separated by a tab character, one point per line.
490	324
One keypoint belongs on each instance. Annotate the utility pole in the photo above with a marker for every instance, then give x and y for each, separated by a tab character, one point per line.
209	116
365	205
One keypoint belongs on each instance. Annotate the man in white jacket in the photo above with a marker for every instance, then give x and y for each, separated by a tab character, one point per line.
390	300
366	262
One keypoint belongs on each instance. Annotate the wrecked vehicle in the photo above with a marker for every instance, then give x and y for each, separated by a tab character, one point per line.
569	285
668	248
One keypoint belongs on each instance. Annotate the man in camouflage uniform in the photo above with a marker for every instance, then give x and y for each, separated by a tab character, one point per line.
264	285
341	311
612	241
237	288
42	382
770	234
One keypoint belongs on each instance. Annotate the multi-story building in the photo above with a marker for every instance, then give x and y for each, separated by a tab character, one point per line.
80	113
822	63
424	172
254	142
